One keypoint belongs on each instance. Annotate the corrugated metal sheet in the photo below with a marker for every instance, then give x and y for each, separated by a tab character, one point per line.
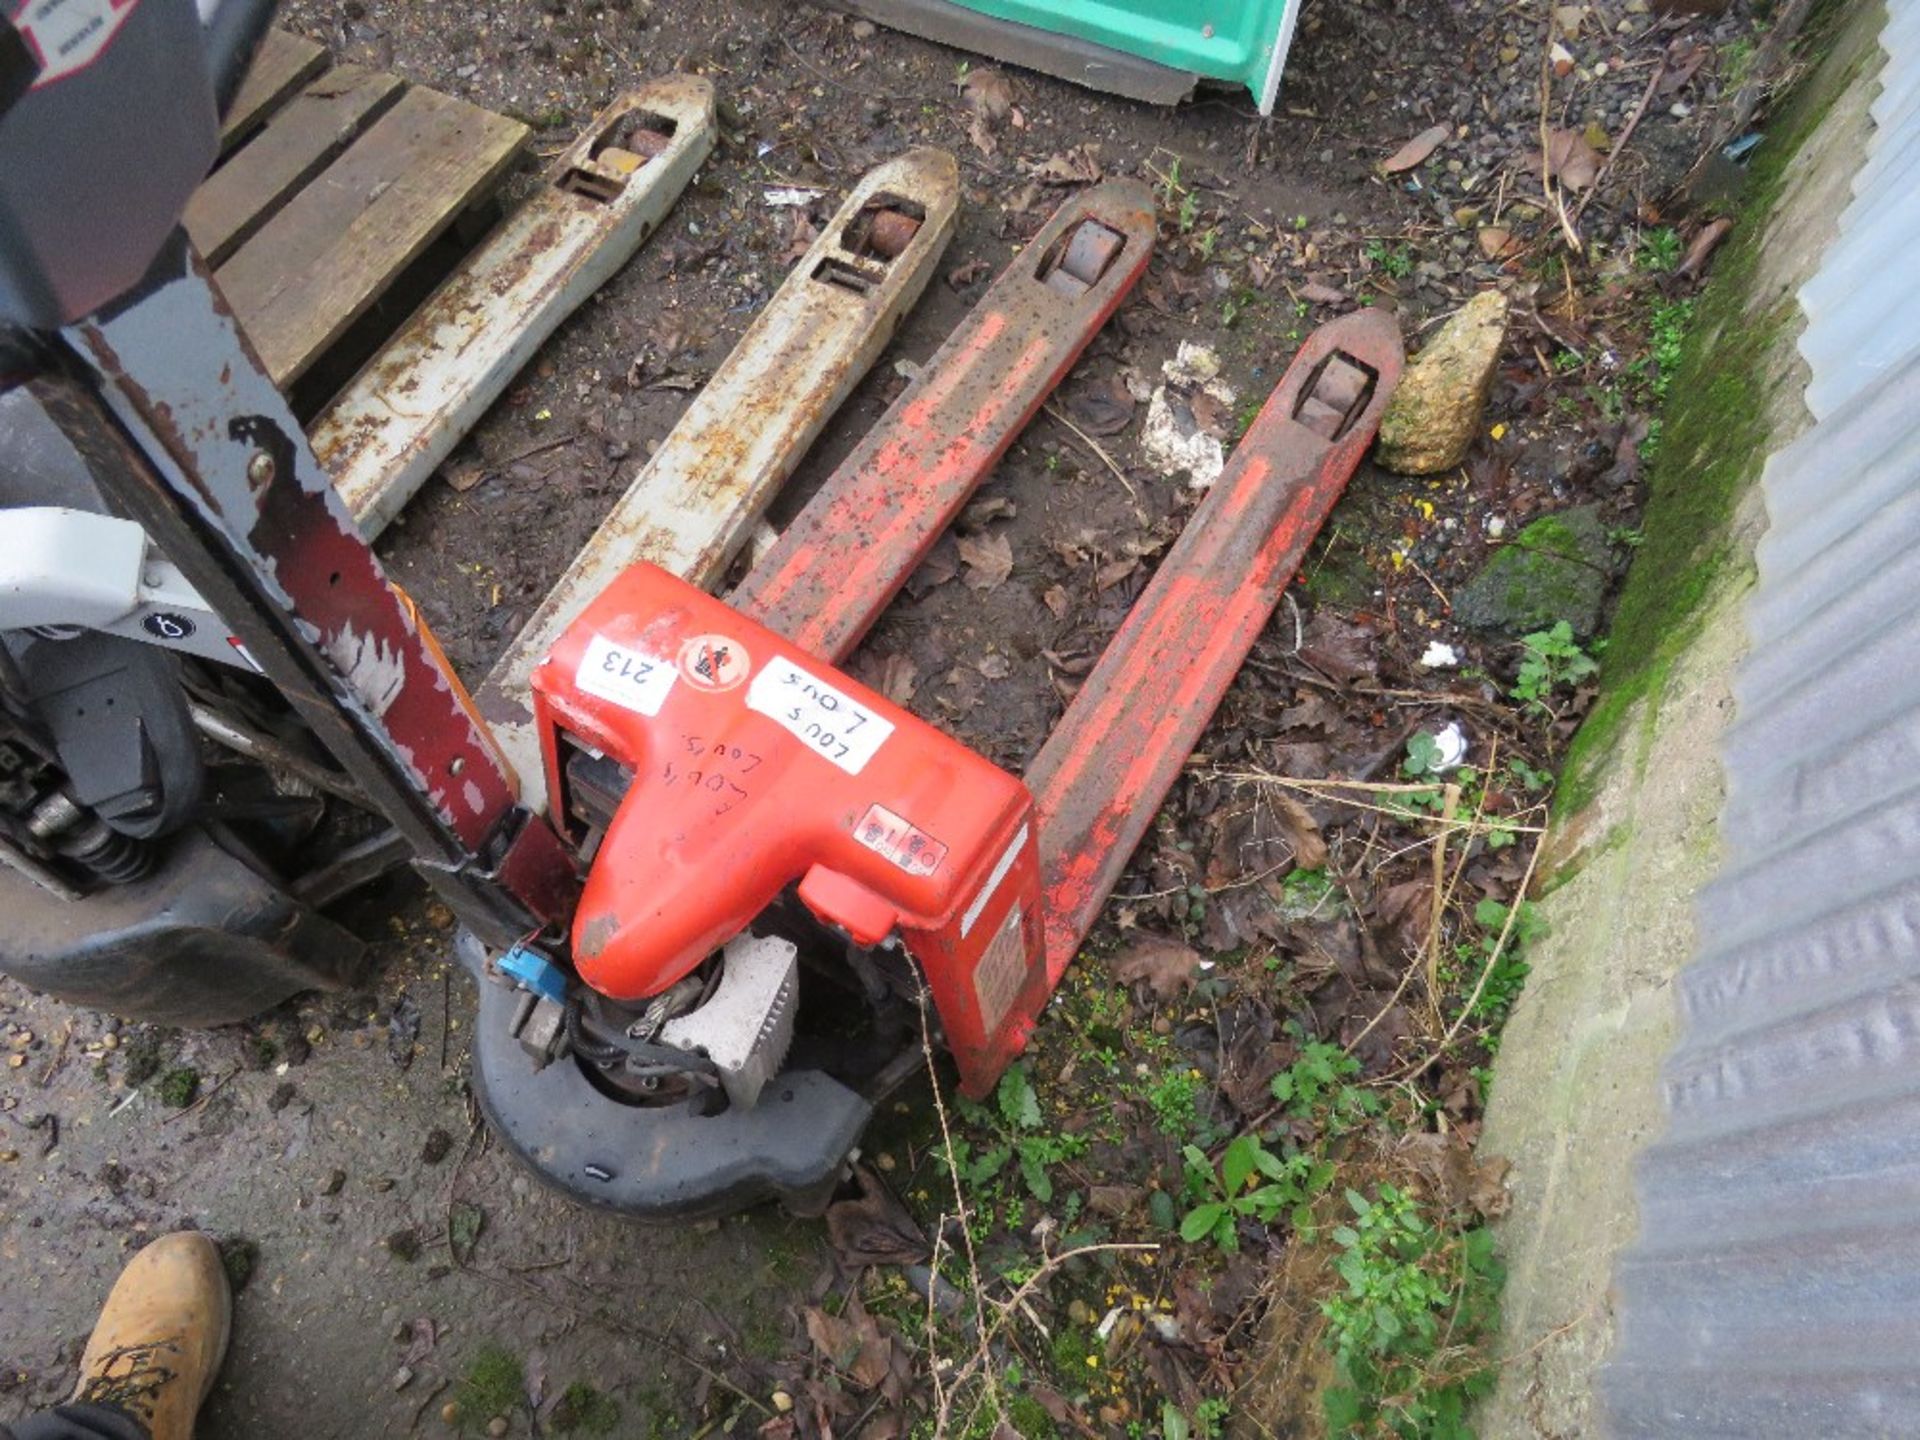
1775	1287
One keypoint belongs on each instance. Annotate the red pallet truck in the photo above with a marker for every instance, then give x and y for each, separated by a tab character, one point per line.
701	968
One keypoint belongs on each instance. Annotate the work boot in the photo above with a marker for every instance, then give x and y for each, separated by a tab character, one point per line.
160	1336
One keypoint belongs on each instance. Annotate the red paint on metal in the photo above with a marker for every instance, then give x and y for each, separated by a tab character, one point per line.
741	792
1104	771
850	550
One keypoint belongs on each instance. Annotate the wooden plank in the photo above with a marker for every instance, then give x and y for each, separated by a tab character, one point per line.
299	142
314	268
286	62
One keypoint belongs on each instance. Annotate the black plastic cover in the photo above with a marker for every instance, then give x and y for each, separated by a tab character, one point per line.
205	940
657	1163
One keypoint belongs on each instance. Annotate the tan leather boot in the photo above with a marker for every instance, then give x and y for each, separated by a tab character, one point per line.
161	1335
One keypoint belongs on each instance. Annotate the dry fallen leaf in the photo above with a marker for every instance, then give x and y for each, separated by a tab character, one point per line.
896	677
1058	601
988	560
1166	965
1571	160
994	667
1561	59
853	1345
1303	833
1497	242
989	95
874	1229
1416	149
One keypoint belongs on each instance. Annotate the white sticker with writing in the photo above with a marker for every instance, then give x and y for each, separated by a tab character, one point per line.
827	721
68	35
627	677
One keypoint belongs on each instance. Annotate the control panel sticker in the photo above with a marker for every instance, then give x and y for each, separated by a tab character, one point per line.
1002	969
826	720
625	676
900	841
714	662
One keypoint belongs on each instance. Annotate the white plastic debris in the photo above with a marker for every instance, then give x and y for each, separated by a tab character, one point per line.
1107	1322
1440	656
1174	438
1452	742
1496	527
786	196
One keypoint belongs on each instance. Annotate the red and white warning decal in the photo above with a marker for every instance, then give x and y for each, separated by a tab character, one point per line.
714	662
69	35
1001	972
901	841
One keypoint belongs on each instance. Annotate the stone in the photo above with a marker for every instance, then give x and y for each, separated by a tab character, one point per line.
1435	414
1556	569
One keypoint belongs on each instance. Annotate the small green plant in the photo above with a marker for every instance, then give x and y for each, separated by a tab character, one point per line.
1251	1183
1550	661
495	1385
1666	335
1404	1331
1018	1131
1189	211
179	1087
1510	968
1526	777
1306	893
1659	250
586	1411
1396	261
1175	1098
1314	1087
1208	1421
1207	241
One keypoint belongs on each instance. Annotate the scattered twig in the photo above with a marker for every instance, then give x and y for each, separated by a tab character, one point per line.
1620	141
1450	805
1480	985
59	1054
1095	446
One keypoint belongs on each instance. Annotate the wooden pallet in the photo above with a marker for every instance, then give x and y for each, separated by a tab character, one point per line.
333	181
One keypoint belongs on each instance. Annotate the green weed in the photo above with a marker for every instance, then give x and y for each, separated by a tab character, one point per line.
1659	251
1314	1087
1551	660
1019	1135
1406	1332
1396	261
1251	1183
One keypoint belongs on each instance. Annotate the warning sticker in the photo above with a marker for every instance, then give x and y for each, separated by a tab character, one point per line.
1001	972
68	35
831	723
901	841
714	662
636	682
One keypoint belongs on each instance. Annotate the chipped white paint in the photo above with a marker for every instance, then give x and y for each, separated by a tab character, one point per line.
406	410
375	670
695	503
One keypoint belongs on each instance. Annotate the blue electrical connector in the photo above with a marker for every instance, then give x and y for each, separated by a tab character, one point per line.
536	973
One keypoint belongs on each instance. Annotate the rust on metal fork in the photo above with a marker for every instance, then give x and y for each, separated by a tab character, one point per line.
1100	778
846	555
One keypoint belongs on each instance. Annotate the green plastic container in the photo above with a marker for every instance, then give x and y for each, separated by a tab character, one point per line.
1241	41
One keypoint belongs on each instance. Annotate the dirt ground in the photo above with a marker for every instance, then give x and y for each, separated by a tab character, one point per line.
336	1148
